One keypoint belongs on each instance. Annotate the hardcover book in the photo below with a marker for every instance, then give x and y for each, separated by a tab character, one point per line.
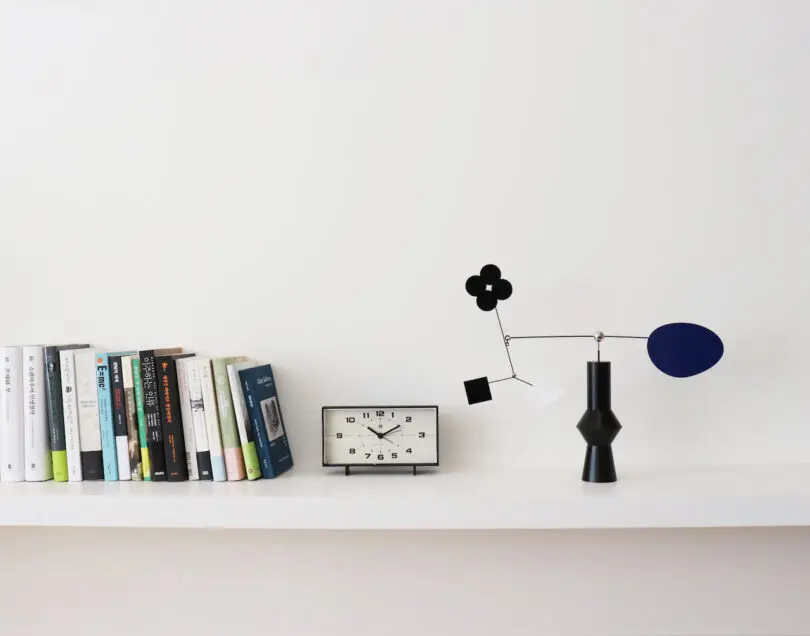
70	410
185	413
119	413
109	451
198	420
209	398
38	465
266	420
131	418
252	466
171	417
231	446
151	410
89	423
146	464
56	417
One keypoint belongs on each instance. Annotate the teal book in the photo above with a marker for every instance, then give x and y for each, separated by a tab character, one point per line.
105	416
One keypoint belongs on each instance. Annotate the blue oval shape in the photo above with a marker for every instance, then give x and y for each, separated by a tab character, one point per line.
683	349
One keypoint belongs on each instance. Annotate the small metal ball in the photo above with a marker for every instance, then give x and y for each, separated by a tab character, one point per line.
599	336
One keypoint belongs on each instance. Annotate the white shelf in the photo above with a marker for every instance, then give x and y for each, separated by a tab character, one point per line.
665	498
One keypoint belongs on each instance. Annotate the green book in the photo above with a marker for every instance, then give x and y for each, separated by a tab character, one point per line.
231	446
136	380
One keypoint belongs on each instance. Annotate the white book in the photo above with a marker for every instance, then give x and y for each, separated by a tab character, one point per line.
198	418
181	365
12	436
89	421
239	404
209	396
70	407
38	462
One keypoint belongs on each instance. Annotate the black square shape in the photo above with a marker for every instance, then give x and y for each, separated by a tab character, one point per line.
477	390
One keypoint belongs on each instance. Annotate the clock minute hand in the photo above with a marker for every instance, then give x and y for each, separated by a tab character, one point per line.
375	432
391	430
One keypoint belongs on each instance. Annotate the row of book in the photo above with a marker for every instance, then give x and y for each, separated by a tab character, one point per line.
73	413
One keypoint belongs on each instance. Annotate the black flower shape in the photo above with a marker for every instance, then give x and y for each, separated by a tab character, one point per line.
488	287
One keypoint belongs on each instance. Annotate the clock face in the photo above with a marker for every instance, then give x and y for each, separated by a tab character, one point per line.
380	435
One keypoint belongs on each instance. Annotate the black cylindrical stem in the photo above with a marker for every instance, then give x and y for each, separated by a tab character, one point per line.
599	386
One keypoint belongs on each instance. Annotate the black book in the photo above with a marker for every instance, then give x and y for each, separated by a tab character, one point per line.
151	411
56	415
174	441
119	415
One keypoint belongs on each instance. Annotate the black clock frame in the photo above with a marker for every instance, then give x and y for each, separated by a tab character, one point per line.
348	467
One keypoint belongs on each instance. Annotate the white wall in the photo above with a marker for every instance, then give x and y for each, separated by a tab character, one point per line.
312	182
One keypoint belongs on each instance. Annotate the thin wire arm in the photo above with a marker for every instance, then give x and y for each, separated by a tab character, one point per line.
501	380
505	342
573	336
536	337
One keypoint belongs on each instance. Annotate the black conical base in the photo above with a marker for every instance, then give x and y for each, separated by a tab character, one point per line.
599	467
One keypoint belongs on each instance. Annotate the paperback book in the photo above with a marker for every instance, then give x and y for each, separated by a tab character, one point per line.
198	420
131	417
56	416
209	398
119	414
267	423
70	409
252	467
38	465
89	422
231	445
171	417
109	452
12	444
188	423
146	464
151	409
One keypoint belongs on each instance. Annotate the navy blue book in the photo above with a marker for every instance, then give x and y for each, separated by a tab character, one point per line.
266	422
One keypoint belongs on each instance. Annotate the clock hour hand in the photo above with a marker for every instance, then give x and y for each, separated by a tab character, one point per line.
375	432
391	430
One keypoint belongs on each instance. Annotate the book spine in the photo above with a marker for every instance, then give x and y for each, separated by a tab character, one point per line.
56	418
70	410
198	420
231	448
212	420
38	465
188	422
131	416
119	417
146	465
109	451
256	423
89	423
252	467
12	442
151	410
174	441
